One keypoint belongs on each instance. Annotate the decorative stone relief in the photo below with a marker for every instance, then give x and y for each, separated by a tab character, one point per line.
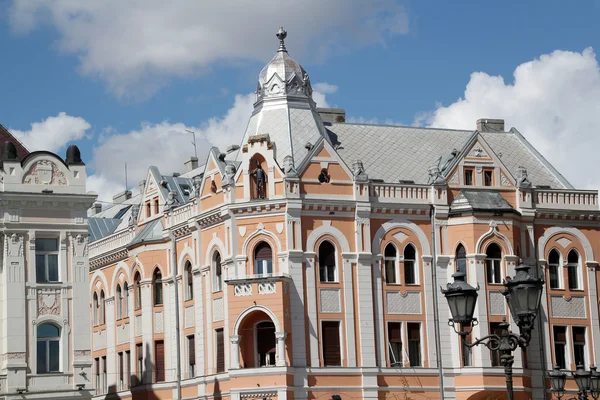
80	246
477	152
45	172
330	301
267	288
15	245
48	302
504	180
564	242
244	289
82	353
568	308
400	237
189	317
159	326
218	310
497	304
260	226
409	303
15	356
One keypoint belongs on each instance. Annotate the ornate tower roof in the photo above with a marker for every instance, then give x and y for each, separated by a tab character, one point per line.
284	109
283	75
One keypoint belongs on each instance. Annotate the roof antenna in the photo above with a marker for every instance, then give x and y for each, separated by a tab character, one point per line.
194	142
125	176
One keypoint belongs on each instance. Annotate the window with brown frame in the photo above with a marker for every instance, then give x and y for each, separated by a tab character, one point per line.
220	350
488	177
560	346
395	343
159	363
331	343
468	176
413	331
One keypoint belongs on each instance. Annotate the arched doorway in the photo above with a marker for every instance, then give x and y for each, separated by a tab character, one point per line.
259	346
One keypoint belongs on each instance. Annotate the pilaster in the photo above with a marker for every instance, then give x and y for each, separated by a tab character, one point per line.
476	275
111	341
147	331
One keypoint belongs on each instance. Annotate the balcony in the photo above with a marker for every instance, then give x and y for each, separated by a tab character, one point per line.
259	285
555	199
400	193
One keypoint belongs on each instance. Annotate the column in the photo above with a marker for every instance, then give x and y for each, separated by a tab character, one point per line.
235	351
364	278
81	331
311	298
280	337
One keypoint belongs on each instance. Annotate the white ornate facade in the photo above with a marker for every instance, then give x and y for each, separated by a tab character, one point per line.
45	343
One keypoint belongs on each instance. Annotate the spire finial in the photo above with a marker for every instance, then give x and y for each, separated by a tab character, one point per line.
281	35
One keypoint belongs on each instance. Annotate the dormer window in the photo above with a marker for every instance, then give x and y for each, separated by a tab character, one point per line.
488	177
469	176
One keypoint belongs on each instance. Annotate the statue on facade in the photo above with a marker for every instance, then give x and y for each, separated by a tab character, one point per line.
260	179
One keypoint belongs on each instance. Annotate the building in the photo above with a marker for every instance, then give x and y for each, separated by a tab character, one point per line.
314	274
45	343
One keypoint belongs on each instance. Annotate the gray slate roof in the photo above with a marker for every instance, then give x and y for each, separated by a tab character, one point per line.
101	227
479	200
150	232
395	153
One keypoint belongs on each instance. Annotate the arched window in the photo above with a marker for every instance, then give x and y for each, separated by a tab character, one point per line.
96	309
573	270
553	269
217	272
493	264
390	256
158	287
48	348
119	301
461	259
189	281
137	290
263	259
102	308
410	261
327	264
125	300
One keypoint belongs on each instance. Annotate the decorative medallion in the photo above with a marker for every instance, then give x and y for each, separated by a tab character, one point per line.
45	172
48	302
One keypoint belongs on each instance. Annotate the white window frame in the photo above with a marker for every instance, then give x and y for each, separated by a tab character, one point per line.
415	265
265	267
496	263
336	275
578	270
189	281
342	342
102	308
125	299
95	307
401	361
45	254
217	280
119	301
559	270
396	261
48	340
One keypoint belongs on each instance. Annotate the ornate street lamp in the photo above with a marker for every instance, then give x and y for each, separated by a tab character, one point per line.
523	294
557	381
587	382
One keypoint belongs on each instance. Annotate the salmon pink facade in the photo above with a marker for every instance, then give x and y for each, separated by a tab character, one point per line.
318	278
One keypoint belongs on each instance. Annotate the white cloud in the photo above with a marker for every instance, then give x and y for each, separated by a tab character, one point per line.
53	133
137	45
167	145
553	102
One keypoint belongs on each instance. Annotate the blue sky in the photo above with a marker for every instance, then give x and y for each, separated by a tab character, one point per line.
125	83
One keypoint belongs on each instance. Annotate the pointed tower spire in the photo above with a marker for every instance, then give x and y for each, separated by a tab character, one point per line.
281	35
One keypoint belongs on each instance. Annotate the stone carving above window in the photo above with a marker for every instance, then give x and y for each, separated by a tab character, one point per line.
45	172
14	245
48	302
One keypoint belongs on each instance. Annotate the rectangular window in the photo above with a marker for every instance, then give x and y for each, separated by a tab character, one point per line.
495	354
127	369
48	356
390	271
121	370
46	259
191	348
493	271
331	344
220	347
156	206
488	177
410	277
159	360
579	345
104	381
395	343
461	265
560	346
413	331
263	267
148	209
327	273
553	273
139	353
97	374
466	351
468	177
573	276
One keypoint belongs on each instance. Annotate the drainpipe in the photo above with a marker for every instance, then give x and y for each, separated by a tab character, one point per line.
438	343
177	331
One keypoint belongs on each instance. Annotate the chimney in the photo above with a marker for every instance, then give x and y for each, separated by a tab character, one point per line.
490	125
121	197
142	186
96	208
191	164
332	115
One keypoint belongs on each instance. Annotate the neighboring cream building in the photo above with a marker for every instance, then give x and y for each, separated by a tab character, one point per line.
45	341
324	287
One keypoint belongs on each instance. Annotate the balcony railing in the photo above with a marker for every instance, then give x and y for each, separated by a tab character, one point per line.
257	284
566	199
109	243
398	193
182	214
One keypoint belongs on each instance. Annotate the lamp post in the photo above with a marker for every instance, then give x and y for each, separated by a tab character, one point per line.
587	382
522	293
